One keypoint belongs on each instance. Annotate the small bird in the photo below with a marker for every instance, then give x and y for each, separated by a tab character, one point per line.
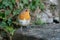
24	18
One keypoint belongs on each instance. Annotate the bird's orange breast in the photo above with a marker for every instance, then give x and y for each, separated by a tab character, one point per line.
24	15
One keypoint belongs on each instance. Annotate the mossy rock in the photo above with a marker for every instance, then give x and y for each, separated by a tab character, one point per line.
39	32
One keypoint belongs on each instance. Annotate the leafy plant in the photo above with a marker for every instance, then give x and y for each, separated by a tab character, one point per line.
10	30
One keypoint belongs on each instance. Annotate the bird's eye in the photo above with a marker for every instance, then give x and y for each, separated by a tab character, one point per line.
26	10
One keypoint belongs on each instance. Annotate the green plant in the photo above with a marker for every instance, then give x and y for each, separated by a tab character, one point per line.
38	22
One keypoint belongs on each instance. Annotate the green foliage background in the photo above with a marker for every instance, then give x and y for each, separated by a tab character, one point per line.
9	11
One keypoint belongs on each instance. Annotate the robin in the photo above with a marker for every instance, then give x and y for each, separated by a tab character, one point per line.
24	18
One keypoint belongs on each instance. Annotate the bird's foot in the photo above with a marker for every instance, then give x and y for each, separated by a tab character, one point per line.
27	28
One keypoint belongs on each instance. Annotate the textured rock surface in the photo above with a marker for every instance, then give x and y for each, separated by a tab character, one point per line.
44	32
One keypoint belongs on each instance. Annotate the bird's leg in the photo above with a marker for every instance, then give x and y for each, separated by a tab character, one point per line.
25	28
28	27
21	28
